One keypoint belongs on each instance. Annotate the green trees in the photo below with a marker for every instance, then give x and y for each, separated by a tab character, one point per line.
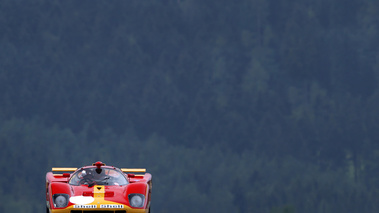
260	106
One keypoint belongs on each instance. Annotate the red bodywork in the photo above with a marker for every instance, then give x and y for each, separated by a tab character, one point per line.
107	198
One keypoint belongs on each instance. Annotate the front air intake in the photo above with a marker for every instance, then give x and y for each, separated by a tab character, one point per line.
93	211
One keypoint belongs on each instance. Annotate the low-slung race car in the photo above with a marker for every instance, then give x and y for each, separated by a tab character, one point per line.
98	189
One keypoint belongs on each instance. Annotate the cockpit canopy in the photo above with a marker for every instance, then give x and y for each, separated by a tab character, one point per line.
98	176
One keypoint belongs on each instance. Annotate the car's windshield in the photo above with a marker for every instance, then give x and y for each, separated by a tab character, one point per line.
94	176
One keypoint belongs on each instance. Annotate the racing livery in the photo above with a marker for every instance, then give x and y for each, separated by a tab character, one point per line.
98	189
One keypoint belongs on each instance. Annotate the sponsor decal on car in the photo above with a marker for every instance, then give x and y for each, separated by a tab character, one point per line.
85	206
111	206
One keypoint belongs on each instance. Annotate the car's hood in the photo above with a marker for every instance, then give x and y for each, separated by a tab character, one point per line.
99	194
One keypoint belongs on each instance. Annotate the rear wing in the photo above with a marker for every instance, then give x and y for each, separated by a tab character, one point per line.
71	169
59	169
133	170
61	173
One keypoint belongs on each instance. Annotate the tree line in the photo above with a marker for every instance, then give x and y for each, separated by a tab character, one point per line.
260	106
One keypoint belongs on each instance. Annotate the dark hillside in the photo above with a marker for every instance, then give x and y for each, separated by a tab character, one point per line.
258	106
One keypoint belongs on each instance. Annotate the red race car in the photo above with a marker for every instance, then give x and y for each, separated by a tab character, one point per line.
98	189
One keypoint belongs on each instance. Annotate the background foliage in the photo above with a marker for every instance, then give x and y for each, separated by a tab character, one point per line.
256	105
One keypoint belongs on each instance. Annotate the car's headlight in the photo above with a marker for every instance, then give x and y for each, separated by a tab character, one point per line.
136	200
60	200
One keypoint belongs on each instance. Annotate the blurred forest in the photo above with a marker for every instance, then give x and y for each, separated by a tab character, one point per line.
266	106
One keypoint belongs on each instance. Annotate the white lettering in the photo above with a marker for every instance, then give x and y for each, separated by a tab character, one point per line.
85	206
111	206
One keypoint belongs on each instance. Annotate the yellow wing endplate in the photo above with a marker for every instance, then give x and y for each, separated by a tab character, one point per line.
61	169
133	170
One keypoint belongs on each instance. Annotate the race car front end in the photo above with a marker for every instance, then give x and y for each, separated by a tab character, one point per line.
101	199
111	193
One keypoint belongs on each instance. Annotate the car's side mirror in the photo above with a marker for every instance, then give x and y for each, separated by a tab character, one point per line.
66	175
131	175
